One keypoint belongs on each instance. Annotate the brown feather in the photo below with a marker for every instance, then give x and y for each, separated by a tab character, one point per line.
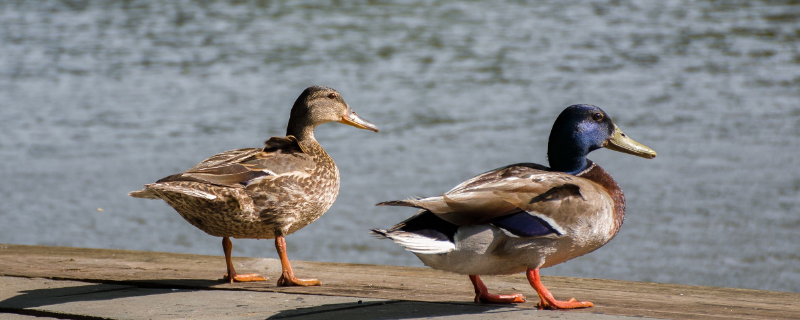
262	193
504	191
236	168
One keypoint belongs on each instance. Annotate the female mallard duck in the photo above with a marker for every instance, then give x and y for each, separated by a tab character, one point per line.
264	193
525	216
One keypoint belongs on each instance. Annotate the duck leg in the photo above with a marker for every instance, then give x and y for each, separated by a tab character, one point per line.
287	276
482	294
547	299
232	276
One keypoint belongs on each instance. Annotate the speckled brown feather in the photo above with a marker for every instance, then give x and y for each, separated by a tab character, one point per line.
264	193
302	185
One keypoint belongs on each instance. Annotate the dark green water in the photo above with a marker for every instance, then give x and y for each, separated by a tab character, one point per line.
98	98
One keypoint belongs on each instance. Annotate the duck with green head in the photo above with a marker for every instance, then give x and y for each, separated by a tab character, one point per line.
264	193
525	216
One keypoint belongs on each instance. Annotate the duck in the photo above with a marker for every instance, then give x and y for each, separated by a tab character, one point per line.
525	216
264	193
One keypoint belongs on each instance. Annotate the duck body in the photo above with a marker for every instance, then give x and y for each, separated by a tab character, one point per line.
523	217
264	193
254	193
526	237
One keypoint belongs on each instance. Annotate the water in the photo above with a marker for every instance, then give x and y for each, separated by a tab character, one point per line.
99	98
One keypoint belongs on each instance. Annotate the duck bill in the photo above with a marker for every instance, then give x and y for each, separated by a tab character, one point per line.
351	118
620	142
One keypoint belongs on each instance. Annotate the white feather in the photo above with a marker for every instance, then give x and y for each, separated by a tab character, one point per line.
297	174
198	194
549	221
168	187
418	243
508	233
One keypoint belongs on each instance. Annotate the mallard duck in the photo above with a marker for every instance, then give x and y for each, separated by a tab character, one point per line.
525	216
264	193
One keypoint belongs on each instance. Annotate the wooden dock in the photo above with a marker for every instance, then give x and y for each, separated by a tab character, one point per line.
80	277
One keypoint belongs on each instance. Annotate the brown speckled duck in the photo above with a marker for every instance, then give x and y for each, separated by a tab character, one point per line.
525	216
264	193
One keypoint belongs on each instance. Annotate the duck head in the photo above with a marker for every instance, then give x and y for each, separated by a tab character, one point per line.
581	129
318	105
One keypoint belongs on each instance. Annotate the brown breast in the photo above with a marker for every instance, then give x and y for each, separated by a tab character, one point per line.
601	177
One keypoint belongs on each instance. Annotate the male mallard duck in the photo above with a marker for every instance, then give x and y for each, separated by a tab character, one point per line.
264	193
525	216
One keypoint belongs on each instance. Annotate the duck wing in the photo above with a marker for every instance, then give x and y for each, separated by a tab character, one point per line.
524	199
241	167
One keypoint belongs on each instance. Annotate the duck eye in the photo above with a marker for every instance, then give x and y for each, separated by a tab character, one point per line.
332	95
597	116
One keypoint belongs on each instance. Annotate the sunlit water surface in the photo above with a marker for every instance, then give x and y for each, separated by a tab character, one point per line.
99	98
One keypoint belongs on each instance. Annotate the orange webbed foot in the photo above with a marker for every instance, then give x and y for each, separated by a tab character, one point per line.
244	278
486	297
227	246
569	304
285	281
482	294
547	300
287	275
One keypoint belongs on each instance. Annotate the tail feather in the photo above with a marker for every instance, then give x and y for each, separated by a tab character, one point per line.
415	242
400	203
144	194
434	204
154	191
380	233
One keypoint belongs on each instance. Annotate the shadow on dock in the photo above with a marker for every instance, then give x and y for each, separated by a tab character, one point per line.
121	284
386	310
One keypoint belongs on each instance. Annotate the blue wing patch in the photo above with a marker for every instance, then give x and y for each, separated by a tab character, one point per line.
523	224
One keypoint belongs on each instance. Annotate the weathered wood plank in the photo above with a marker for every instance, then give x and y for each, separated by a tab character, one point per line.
158	269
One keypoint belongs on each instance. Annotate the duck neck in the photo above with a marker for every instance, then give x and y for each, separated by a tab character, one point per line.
571	165
567	149
566	157
300	129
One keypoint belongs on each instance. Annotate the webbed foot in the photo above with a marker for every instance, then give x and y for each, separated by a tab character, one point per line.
482	294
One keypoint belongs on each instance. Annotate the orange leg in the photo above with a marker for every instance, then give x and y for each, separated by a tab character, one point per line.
232	275
287	276
482	294
547	300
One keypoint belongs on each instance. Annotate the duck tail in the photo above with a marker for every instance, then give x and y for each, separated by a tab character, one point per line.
144	194
415	242
160	190
400	203
380	233
436	205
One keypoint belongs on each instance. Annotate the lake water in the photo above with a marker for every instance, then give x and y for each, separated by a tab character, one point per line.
98	98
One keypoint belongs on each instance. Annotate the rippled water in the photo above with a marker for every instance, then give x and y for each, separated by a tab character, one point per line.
98	98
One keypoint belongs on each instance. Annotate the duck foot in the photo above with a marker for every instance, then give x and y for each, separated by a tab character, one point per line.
231	276
287	276
482	294
285	281
547	300
243	278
